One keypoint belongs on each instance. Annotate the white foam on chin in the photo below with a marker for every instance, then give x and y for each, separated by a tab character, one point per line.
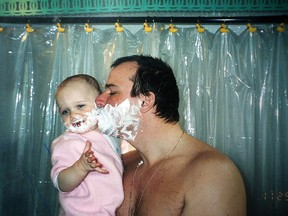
88	122
121	120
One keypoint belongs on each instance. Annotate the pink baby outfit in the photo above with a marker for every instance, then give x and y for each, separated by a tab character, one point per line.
98	194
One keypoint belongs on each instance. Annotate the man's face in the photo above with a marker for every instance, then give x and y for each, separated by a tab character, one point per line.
119	113
118	85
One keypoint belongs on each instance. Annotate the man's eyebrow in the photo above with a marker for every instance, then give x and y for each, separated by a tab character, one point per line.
110	85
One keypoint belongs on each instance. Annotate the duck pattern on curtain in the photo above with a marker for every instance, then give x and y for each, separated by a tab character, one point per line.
233	90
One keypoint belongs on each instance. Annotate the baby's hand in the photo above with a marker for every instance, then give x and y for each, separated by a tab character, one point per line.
90	162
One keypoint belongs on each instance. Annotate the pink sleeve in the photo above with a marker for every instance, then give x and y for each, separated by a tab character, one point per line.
65	152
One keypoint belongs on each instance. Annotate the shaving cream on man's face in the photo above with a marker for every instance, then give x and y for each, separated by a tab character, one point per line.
120	121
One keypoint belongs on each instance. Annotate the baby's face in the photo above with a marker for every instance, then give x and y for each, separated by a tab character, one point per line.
76	101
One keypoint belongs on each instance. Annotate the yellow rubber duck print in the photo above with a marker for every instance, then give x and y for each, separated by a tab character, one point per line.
281	27
172	28
60	28
29	29
118	27
223	28
200	29
88	28
251	28
147	28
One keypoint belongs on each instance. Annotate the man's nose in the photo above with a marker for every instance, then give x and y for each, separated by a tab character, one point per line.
101	100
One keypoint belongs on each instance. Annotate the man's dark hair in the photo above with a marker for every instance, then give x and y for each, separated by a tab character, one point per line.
154	75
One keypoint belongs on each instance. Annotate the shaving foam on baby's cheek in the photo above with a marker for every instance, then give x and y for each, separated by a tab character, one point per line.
121	120
84	124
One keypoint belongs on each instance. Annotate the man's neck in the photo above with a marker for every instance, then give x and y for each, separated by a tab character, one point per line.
155	143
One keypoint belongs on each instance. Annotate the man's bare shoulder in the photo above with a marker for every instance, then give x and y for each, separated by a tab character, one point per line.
199	155
216	181
206	164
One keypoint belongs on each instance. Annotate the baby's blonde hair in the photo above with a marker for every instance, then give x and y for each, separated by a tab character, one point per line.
91	81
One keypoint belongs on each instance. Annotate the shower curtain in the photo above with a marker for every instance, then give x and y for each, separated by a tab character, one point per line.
233	90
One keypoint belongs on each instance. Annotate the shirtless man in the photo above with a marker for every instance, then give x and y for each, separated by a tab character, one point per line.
171	173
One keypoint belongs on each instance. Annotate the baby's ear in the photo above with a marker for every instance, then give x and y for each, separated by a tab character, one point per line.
147	102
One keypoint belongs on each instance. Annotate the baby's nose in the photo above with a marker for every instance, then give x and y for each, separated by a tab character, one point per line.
74	116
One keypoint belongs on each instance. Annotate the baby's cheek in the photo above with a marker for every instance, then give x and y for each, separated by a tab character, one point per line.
66	122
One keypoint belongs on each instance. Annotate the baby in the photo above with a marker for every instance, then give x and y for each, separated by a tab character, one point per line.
85	186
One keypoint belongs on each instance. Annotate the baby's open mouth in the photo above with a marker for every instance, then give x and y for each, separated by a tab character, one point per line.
78	123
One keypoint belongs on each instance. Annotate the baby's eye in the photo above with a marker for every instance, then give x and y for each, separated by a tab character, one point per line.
65	112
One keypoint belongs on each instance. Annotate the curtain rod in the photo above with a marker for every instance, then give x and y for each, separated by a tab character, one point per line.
139	19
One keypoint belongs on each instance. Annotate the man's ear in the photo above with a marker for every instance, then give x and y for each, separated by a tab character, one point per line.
147	102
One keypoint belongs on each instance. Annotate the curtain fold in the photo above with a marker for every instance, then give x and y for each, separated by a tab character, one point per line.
277	129
227	93
233	95
172	50
195	61
148	39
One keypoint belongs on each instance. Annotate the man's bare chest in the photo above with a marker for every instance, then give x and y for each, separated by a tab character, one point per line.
156	193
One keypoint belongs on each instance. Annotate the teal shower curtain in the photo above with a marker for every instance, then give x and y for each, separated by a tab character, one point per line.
233	90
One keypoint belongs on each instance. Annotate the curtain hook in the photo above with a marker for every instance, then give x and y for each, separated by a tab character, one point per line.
250	27
198	20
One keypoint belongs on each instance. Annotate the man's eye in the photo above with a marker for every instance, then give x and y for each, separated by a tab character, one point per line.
112	93
80	106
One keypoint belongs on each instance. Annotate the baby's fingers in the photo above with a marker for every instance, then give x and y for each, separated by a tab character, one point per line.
98	167
91	159
102	170
87	147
